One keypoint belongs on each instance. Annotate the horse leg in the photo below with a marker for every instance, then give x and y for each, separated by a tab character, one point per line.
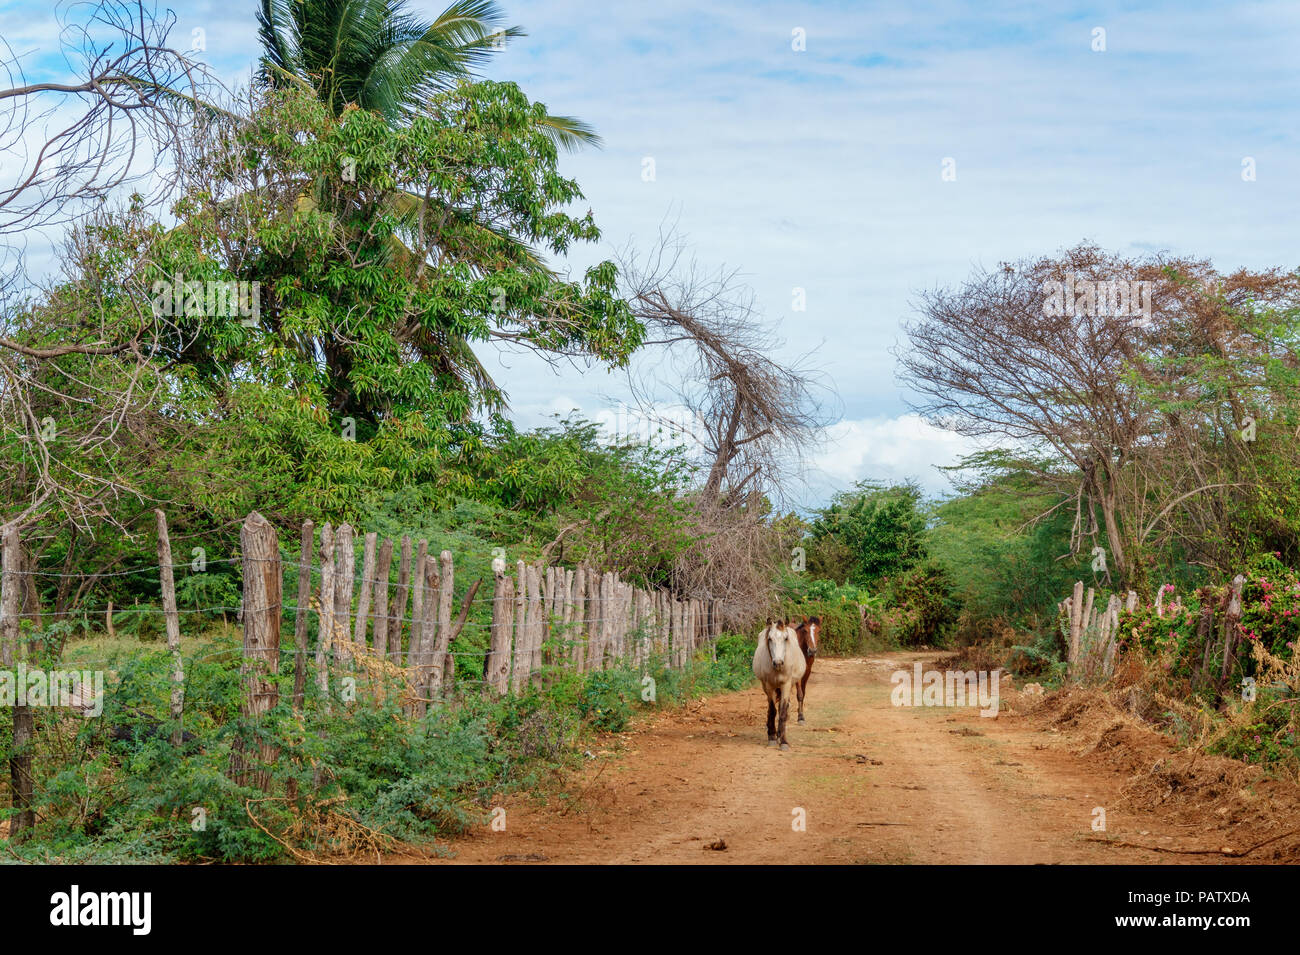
771	720
803	686
785	715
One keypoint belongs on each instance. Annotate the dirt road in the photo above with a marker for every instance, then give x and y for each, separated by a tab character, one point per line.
873	783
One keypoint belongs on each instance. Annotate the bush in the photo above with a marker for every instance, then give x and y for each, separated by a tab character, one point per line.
350	777
930	608
843	633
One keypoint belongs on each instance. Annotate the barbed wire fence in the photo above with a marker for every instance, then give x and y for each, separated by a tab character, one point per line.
393	619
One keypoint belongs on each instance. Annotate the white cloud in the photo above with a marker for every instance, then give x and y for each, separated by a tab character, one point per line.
887	449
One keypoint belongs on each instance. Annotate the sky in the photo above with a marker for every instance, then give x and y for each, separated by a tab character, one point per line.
853	155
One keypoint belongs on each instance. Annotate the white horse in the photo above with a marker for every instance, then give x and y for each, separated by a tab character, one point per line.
779	665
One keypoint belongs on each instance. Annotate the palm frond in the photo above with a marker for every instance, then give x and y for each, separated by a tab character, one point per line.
570	134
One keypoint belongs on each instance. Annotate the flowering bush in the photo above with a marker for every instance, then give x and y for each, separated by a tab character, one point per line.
1181	653
1270	616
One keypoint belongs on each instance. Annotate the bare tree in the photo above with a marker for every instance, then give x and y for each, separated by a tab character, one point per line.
709	375
1085	357
71	373
753	417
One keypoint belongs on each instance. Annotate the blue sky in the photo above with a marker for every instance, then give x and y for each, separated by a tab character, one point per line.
821	169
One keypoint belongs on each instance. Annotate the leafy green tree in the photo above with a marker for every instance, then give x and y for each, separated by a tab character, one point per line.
1001	540
373	330
869	533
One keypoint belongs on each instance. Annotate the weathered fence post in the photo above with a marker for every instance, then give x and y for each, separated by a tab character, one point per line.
345	573
579	635
600	632
536	623
496	663
613	614
1076	622
666	626
262	613
548	603
1112	635
382	636
522	654
624	618
428	634
397	612
446	590
363	596
11	652
173	623
1205	633
300	617
325	634
417	607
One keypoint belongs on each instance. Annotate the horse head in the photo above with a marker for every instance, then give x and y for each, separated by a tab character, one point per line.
775	635
811	628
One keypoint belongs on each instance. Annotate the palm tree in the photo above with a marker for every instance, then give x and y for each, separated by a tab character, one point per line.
378	55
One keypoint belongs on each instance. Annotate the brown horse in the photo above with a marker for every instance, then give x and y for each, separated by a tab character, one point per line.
808	631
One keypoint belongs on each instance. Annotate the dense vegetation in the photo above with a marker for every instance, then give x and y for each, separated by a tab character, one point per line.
391	215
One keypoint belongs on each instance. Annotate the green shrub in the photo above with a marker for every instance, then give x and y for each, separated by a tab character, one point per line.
114	788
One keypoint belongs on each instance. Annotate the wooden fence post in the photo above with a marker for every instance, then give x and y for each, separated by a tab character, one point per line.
173	624
325	635
1076	622
1205	633
1231	619
613	617
382	636
599	628
579	637
536	623
262	614
345	574
522	655
363	595
446	590
417	607
300	618
397	613
428	634
1112	635
496	663
11	652
548	602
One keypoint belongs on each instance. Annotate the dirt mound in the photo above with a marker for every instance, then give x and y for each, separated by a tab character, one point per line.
1227	803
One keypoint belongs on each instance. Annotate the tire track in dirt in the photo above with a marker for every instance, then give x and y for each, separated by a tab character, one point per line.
877	784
